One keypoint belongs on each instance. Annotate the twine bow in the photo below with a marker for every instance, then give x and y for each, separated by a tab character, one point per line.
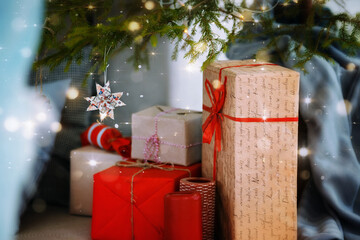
152	146
144	166
152	143
212	124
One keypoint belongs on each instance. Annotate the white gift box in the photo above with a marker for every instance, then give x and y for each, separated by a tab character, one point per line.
84	163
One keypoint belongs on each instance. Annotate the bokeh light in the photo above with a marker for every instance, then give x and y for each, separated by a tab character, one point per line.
11	124
72	93
134	26
303	152
149	5
55	127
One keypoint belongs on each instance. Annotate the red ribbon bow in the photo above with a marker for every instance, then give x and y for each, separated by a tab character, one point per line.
212	124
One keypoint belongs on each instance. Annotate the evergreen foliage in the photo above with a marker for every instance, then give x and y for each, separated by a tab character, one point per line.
111	26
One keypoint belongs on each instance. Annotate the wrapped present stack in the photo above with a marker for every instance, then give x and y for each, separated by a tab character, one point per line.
93	158
246	140
128	199
250	123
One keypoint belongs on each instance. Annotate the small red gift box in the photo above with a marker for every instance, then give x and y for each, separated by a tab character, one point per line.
128	202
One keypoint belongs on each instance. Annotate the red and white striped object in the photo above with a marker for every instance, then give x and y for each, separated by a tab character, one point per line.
107	138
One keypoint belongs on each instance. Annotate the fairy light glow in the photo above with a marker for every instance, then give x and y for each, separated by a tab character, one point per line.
307	100
92	163
90	6
200	47
216	84
11	124
72	93
190	68
263	8
41	117
55	127
134	26
149	5
350	67
303	152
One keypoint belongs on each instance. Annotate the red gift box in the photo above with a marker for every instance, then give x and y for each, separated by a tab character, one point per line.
115	217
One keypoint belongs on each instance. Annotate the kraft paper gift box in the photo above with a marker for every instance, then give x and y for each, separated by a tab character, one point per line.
178	132
129	201
254	155
84	163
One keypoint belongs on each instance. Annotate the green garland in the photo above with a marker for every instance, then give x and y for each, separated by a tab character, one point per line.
110	27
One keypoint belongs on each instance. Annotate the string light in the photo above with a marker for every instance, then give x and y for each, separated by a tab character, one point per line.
90	7
149	5
55	127
303	152
216	84
350	67
307	100
72	93
200	47
134	26
186	31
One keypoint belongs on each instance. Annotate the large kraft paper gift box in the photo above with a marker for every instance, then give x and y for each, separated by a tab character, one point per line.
129	200
253	108
84	163
176	132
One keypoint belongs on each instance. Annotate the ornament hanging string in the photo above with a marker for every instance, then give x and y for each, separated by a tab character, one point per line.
105	101
144	166
212	125
106	52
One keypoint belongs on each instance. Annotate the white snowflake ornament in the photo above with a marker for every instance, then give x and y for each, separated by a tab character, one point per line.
105	101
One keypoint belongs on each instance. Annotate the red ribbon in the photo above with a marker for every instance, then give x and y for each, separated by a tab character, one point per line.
212	124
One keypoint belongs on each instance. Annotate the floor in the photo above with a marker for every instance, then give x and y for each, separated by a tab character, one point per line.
54	223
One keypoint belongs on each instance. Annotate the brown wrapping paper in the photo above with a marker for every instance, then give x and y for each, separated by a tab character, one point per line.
177	127
257	167
206	187
84	163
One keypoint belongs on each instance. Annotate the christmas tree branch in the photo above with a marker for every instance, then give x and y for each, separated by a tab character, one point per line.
71	25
